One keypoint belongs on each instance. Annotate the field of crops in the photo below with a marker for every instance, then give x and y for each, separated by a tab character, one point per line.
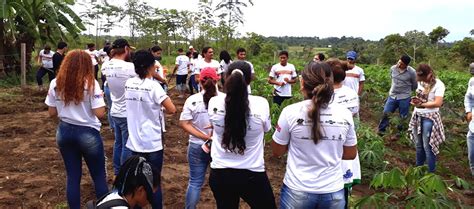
388	166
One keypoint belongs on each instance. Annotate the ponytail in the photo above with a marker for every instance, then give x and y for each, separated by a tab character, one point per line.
236	107
318	83
210	90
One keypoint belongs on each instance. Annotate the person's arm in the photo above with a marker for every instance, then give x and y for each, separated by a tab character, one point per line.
290	81
157	76
271	80
361	87
53	112
349	152
187	125
414	83
468	102
169	106
278	150
99	112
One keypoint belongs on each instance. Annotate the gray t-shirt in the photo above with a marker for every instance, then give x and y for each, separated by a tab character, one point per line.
403	82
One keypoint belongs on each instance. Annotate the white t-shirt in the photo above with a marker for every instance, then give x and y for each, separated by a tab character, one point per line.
159	69
252	70
258	122
46	59
194	68
94	55
279	73
315	168
80	114
348	98
201	64
113	196
353	77
144	98
225	66
182	61
117	73
437	91
195	110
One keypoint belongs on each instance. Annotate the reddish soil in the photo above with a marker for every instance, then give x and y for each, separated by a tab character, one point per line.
32	173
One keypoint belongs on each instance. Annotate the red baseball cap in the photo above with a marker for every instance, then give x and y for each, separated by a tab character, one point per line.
208	72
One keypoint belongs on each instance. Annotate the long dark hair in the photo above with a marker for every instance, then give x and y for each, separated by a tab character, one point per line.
210	90
318	84
224	55
236	106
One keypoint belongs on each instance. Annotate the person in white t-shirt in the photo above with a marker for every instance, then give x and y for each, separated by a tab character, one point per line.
117	72
144	99
181	70
160	71
195	120
468	106
45	58
207	61
241	55
318	134
239	121
282	75
355	76
225	59
91	50
133	186
192	83
348	98
426	126
78	105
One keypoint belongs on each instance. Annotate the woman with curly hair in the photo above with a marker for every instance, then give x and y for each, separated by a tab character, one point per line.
76	98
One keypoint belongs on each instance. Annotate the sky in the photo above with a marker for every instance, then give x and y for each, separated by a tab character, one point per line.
369	19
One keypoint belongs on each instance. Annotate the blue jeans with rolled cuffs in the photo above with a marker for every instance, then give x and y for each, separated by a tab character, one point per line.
198	164
391	105
423	147
296	199
77	142
121	152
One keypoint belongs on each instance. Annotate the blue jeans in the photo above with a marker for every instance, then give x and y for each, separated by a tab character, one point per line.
193	85
156	160
109	105
470	150
76	142
391	105
121	152
423	148
295	199
198	163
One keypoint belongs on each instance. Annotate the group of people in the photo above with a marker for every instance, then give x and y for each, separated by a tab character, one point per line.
226	125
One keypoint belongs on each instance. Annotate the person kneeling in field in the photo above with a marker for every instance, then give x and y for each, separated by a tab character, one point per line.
76	98
195	120
134	186
318	134
144	99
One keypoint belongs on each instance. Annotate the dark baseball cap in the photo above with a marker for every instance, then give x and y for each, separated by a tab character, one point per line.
121	43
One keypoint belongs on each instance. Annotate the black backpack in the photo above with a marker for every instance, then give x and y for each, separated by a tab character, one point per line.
92	204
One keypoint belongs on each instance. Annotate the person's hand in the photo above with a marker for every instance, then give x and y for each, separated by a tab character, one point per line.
415	101
287	80
469	116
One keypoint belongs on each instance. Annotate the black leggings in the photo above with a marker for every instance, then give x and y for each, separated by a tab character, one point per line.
41	72
229	185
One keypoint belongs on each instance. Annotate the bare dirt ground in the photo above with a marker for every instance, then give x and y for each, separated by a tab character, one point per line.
32	173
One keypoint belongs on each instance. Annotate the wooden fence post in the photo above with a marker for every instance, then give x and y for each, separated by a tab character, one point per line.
23	65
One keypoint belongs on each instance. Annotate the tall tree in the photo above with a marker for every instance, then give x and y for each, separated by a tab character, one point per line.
438	34
232	11
417	40
394	46
471	32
